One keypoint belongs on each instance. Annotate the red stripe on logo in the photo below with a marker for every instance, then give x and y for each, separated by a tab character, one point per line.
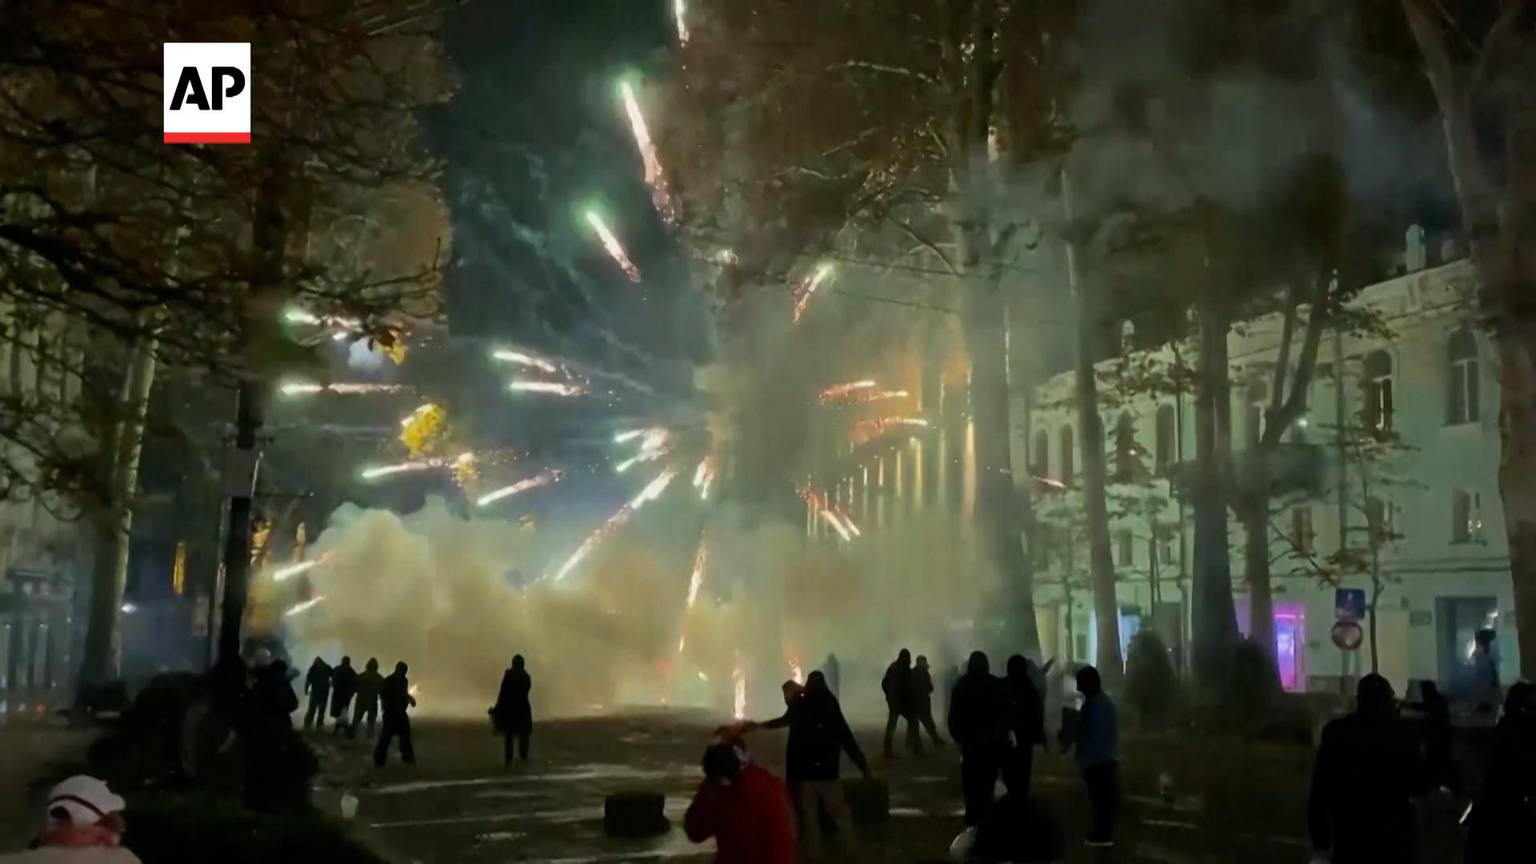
207	137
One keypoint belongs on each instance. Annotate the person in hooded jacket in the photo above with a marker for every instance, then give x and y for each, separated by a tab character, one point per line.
368	686
396	700
343	688
922	700
317	685
1503	817
897	686
1025	712
977	726
513	713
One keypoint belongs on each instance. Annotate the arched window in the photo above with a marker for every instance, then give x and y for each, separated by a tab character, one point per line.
1461	396
1376	382
1040	454
1065	448
1127	459
1255	399
1166	443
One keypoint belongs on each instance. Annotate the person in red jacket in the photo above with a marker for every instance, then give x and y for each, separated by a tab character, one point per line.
744	807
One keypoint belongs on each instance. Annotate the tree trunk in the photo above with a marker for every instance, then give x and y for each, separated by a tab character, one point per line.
1261	601
101	654
999	507
1517	478
1215	620
1106	608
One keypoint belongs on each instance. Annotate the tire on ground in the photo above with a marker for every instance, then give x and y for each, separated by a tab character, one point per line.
635	813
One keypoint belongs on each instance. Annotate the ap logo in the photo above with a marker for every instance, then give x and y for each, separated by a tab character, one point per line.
207	93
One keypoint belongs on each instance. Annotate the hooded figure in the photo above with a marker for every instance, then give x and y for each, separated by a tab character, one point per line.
317	685
1366	771
368	686
976	725
1025	707
343	688
922	700
818	737
1098	755
513	713
897	685
396	699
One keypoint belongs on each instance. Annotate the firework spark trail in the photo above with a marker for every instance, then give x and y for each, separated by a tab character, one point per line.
696	581
808	288
651	492
305	606
282	574
553	475
611	243
704	477
417	465
654	177
304	389
739	703
654	444
876	427
836	522
553	388
796	674
848	522
680	12
527	360
843	391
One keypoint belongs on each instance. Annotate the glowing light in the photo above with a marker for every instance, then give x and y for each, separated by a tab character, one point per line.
305	606
283	574
871	428
553	475
704	477
611	243
553	388
696	581
796	674
654	444
808	288
304	388
524	359
651	492
682	642
462	461
295	315
836	522
842	391
661	198
627	436
680	13
739	703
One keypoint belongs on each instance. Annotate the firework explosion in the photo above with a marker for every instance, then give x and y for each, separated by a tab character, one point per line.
530	361
459	462
552	388
871	428
808	289
654	178
553	475
654	444
611	243
651	492
838	392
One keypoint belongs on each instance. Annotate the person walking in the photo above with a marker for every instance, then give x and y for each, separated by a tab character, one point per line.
922	700
818	737
513	713
368	686
977	727
1025	709
1366	772
343	688
395	699
744	807
1503	818
1097	753
897	685
317	686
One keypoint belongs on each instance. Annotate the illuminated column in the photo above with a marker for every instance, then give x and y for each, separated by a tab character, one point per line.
880	493
918	492
968	468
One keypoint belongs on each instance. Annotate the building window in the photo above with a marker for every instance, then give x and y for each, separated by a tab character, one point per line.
1127	544
1165	438
1040	459
1466	517
1253	412
1302	535
1080	646
1066	450
1461	403
1127	457
1165	550
1377	386
1380	519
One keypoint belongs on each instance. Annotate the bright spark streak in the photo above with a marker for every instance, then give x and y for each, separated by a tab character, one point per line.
651	492
700	559
682	642
808	288
701	472
852	528
553	475
832	519
527	360
296	315
302	389
680	13
611	243
630	435
554	388
875	427
305	606
285	573
644	456
740	701
401	468
654	178
839	391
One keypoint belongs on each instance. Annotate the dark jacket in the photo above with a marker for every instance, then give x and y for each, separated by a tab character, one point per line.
1098	732
897	685
1359	808
1026	711
513	712
976	714
922	691
1504	816
818	736
369	684
319	678
396	696
343	685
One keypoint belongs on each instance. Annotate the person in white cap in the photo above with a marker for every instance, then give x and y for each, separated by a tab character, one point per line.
83	825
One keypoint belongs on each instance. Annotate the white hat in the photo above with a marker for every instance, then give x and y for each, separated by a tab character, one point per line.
86	799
